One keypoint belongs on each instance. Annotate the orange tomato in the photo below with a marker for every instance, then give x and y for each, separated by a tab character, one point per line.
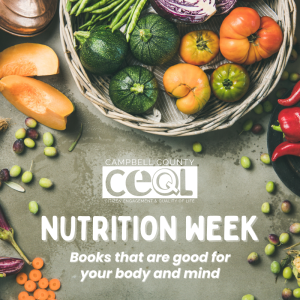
246	38
190	85
199	47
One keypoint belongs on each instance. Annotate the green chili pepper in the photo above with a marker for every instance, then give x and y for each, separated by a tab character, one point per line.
122	22
135	18
106	8
82	6
121	13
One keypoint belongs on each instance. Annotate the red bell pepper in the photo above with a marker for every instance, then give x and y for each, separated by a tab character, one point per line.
293	99
286	148
289	120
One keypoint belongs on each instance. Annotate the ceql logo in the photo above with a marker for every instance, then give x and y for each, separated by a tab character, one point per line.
150	182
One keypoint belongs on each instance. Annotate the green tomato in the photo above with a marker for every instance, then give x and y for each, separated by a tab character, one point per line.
45	183
258	109
265	158
33	207
275	267
230	82
29	143
15	171
270	249
296	293
48	139
245	162
284	238
248	297
270	187
287	273
197	147
20	134
27	177
268	107
265	208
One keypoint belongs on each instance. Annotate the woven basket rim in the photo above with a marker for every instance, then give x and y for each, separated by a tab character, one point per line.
223	116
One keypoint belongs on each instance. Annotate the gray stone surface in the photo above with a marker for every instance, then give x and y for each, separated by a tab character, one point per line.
225	188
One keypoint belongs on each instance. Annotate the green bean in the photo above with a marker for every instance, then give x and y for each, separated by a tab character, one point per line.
132	12
135	18
73	0
95	6
106	8
121	13
82	6
75	7
122	22
68	6
87	17
117	8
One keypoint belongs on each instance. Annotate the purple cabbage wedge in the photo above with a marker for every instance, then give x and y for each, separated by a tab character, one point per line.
185	11
224	6
10	266
7	234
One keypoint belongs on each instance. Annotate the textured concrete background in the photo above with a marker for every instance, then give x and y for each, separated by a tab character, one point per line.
225	188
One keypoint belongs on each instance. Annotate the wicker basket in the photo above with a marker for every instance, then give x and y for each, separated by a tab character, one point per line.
217	114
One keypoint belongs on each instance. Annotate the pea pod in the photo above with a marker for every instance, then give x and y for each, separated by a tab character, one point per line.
135	18
121	13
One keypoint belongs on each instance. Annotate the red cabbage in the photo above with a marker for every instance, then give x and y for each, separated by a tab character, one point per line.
185	11
224	6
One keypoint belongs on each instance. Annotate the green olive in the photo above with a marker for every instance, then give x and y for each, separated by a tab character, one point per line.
296	293
50	151
245	162
275	267
20	134
197	147
27	177
258	109
248	297
247	126
45	183
265	158
265	208
15	171
29	143
270	249
284	238
287	273
48	139
33	207
268	107
270	187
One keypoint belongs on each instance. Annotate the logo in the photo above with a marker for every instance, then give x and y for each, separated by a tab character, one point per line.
150	182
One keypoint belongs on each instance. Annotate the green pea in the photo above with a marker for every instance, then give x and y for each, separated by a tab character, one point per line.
29	143
245	162
287	273
266	208
15	171
270	187
268	107
50	151
265	158
45	183
20	134
27	177
275	267
247	126
258	109
270	249
296	293
48	139
33	207
197	147
248	297
284	238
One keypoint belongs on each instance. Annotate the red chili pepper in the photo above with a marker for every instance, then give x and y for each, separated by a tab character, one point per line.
286	148
289	120
293	99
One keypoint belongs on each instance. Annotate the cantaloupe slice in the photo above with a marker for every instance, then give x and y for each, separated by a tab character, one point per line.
28	60
38	100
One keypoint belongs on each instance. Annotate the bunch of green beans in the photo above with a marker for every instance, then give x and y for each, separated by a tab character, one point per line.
114	13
